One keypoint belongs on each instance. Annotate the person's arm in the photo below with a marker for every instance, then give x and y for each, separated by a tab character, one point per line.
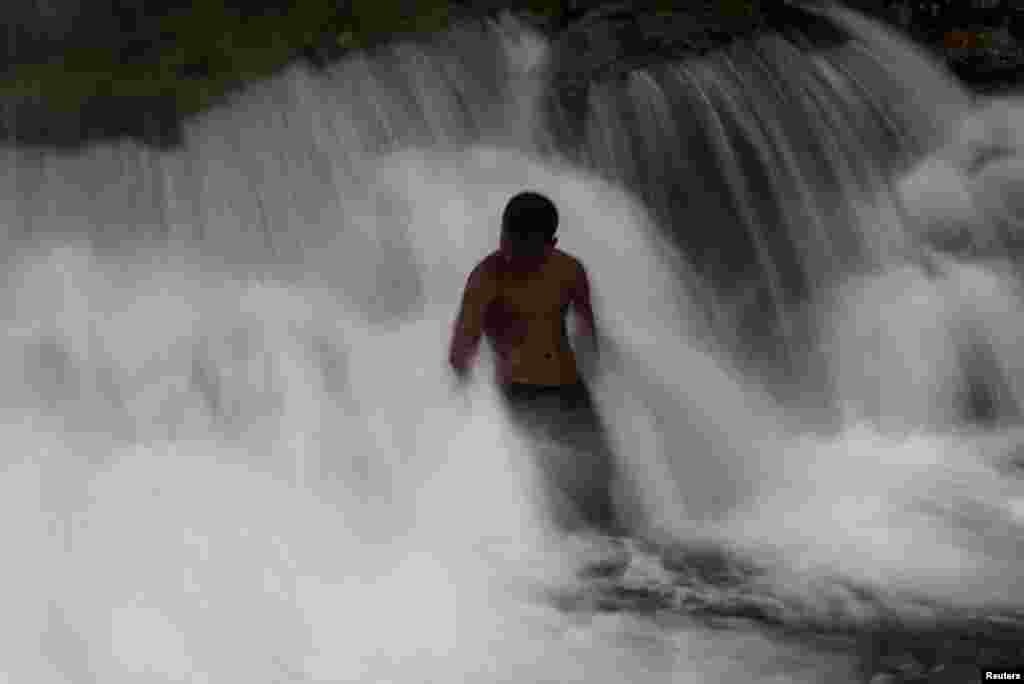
469	324
579	298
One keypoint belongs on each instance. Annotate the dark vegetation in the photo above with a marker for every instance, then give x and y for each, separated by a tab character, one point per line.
138	68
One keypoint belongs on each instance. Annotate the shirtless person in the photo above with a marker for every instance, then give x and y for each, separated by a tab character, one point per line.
519	297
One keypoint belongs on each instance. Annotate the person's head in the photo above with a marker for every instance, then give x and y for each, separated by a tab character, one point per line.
528	225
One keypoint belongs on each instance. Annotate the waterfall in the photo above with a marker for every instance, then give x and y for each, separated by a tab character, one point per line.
233	451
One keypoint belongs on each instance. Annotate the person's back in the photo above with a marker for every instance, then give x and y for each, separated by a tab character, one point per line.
519	298
524	318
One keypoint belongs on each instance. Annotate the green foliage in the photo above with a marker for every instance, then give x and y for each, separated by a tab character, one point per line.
547	9
373	20
205	50
201	52
737	8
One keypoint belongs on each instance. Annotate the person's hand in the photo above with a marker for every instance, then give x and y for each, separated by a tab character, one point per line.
587	357
460	378
460	381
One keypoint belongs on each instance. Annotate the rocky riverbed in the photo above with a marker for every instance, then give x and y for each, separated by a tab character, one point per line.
894	639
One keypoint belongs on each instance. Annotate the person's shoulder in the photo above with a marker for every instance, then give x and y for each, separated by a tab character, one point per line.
564	257
487	268
567	262
490	263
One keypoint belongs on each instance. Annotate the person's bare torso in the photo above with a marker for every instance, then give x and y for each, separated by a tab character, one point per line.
525	320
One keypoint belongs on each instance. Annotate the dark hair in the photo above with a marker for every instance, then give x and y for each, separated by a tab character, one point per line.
530	213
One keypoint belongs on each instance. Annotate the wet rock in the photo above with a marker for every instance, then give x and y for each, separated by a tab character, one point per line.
706	565
884	678
954	674
601	557
645	572
903	664
898	639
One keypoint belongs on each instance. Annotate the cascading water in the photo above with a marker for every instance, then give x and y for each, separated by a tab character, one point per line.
790	178
233	452
785	178
769	164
